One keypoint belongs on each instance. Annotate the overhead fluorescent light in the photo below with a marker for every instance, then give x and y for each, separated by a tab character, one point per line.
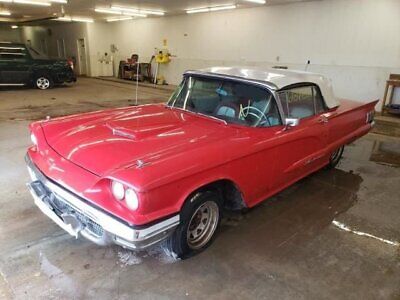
152	12
74	19
5	13
197	10
120	8
14	26
257	1
135	10
107	11
134	14
209	9
119	12
59	1
8	1
86	20
216	8
65	19
31	2
119	19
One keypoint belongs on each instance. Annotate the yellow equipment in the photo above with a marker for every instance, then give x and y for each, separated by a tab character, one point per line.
163	56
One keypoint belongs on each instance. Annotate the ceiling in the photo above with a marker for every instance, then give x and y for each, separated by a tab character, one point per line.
85	8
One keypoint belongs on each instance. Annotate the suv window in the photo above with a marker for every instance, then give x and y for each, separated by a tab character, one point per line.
302	101
36	54
12	52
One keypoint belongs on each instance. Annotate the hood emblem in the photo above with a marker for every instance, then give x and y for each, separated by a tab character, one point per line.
140	164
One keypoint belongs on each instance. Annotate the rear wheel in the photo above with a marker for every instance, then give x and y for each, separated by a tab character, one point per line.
335	157
43	82
199	220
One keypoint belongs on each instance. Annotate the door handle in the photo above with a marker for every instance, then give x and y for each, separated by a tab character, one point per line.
323	119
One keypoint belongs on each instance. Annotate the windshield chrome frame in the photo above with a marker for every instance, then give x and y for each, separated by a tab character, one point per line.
263	84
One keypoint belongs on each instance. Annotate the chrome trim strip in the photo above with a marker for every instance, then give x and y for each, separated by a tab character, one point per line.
108	223
267	84
12	84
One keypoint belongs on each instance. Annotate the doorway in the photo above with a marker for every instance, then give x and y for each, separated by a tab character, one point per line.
61	48
82	57
43	46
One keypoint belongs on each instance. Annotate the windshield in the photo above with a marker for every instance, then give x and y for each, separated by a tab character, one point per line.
36	54
228	100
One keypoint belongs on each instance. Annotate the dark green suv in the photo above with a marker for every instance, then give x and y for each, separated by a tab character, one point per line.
23	65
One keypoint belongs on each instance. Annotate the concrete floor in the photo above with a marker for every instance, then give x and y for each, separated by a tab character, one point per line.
286	248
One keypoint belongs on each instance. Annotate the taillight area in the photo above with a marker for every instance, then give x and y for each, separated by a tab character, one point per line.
70	63
370	117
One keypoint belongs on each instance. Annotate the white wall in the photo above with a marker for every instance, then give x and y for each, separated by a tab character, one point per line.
9	35
354	42
34	35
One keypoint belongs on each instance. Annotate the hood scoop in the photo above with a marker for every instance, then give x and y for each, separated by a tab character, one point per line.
122	132
139	132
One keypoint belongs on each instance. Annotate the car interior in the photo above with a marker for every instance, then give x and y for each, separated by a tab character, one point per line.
301	102
231	101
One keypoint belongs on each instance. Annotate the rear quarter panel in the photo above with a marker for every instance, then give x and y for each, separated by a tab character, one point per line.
348	122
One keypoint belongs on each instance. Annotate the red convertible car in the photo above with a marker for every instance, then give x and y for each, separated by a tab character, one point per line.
228	138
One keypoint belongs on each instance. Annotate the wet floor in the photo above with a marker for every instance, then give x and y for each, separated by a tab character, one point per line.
386	153
285	248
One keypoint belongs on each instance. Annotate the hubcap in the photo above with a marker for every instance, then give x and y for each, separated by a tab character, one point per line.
202	225
336	155
43	83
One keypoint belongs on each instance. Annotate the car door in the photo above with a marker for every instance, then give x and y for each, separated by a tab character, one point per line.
15	64
301	148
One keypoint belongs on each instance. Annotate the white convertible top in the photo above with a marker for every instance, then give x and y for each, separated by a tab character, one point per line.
277	79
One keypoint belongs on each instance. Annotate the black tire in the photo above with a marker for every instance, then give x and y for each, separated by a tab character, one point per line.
43	82
335	158
180	244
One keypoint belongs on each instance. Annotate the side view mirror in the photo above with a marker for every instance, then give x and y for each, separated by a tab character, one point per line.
291	122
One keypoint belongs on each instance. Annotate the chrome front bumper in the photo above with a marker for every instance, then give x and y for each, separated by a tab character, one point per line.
79	217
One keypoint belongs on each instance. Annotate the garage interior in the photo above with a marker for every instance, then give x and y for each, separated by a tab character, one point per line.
333	235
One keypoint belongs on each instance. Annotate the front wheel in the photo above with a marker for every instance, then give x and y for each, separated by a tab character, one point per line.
200	218
43	82
335	157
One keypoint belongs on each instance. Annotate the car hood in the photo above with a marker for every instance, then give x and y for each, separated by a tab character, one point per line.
106	141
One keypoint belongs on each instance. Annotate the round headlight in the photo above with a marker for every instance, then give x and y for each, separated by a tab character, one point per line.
33	139
131	199
118	190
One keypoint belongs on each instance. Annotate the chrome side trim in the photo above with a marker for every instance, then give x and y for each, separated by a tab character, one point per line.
267	84
12	84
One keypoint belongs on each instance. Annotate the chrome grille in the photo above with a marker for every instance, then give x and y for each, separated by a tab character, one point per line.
63	207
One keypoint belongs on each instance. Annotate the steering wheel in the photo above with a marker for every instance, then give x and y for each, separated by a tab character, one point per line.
245	111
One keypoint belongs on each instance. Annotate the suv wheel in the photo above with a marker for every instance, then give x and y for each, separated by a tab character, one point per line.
199	220
43	82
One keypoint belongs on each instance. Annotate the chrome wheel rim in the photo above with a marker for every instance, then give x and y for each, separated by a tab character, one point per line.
43	83
336	155
202	225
